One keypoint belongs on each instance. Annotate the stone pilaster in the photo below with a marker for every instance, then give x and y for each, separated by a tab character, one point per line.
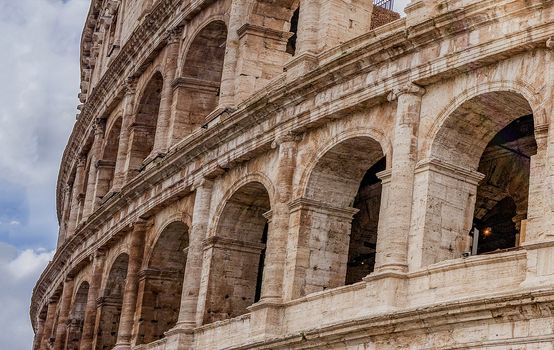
392	246
76	191
91	307
238	11
96	149
161	140
136	252
277	239
47	336
65	306
127	118
539	239
65	213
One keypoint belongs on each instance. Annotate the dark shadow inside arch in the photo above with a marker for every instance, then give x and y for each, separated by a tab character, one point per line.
291	43
502	197
110	304
363	236
161	284
238	252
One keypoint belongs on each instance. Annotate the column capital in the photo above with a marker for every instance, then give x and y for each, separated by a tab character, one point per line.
409	88
99	254
81	160
289	137
550	43
99	126
203	182
140	225
130	86
173	35
66	188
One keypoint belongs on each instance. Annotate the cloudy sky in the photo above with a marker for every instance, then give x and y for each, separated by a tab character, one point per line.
39	75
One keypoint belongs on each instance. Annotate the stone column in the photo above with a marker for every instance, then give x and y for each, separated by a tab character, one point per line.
238	12
392	246
539	240
64	218
127	118
77	186
272	288
161	140
96	150
308	27
193	269
136	253
48	325
91	307
65	307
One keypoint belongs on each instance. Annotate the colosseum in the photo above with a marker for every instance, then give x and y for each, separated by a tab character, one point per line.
307	174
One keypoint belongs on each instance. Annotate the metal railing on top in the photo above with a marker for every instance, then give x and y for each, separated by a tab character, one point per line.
386	4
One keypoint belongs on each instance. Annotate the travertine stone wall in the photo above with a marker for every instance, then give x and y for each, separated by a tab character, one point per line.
225	189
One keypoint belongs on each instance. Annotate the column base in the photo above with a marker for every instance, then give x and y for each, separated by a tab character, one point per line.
540	264
266	319
180	337
153	156
122	346
388	289
300	65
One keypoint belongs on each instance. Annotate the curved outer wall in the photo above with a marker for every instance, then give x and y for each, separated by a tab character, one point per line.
297	174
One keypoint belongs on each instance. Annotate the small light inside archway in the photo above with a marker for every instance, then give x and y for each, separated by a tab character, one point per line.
487	232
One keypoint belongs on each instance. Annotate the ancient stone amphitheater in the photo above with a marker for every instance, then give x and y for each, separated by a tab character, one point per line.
307	174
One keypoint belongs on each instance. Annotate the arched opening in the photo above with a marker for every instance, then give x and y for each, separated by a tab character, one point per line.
77	317
198	91
161	284
110	304
343	196
501	206
83	188
106	167
363	235
143	130
237	252
479	176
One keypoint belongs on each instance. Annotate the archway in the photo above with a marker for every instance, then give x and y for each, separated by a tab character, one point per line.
110	304
143	130
198	90
340	215
502	197
161	284
237	253
77	317
479	163
106	167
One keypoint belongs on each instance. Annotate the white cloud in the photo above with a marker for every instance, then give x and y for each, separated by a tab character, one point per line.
39	70
19	271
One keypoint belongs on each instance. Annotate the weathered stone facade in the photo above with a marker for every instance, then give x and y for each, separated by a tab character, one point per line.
301	174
